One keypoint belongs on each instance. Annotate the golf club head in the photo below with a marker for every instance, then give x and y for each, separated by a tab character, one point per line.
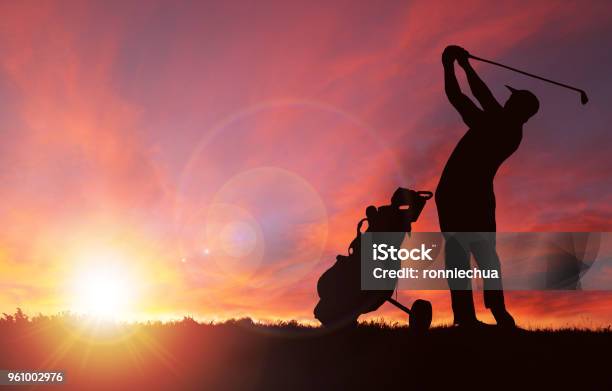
583	98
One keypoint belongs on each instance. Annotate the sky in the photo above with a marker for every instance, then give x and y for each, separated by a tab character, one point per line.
212	158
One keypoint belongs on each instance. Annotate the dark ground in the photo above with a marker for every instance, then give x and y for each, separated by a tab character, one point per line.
241	355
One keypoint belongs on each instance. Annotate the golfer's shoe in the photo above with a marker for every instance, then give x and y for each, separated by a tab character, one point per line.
474	324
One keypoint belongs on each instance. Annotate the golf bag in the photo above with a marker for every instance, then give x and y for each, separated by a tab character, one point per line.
341	299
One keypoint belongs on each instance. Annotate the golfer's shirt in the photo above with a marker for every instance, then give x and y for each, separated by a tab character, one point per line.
467	179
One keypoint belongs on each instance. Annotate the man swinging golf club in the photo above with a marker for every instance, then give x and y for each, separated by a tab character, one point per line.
465	196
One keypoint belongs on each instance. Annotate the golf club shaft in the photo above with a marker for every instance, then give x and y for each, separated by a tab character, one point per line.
526	73
399	305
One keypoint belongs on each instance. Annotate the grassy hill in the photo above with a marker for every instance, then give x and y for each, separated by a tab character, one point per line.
243	355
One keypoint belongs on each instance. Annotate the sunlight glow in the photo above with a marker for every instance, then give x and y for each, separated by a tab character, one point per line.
104	288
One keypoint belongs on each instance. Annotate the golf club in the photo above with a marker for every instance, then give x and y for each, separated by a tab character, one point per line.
583	96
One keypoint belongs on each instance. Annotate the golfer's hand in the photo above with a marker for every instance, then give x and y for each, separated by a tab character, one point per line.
463	58
448	55
454	52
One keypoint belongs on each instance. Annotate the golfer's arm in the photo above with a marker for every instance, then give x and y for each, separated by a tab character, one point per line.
464	105
480	89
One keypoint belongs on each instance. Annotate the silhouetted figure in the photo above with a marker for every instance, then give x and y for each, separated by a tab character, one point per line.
465	196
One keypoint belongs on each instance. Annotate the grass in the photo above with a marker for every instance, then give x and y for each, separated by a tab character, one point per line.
241	354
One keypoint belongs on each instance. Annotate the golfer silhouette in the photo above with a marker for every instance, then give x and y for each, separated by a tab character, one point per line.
465	197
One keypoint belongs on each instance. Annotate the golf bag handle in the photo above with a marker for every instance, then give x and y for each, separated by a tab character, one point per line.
358	236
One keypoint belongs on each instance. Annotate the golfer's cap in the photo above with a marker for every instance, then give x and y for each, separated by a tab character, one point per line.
528	98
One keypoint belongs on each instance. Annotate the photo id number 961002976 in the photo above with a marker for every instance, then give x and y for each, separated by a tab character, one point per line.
15	377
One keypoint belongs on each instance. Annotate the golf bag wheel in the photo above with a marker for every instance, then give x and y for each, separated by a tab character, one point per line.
420	316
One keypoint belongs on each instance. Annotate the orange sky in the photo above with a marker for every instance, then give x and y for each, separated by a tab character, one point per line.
134	133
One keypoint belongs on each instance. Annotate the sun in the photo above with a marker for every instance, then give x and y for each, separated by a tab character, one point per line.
103	293
104	288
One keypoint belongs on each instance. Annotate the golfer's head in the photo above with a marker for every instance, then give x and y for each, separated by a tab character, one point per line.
522	104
